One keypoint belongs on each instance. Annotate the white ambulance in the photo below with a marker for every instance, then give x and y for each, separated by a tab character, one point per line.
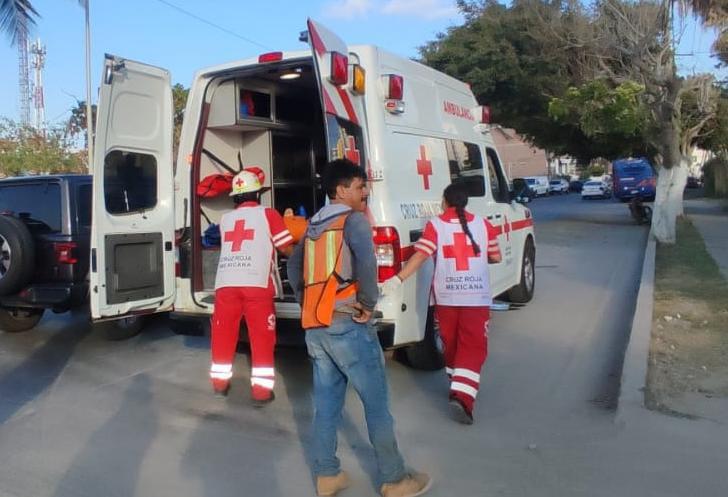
414	129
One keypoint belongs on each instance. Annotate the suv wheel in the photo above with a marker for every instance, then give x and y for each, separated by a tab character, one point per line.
15	320
426	355
17	255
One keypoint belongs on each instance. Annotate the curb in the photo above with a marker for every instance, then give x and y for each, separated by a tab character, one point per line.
634	368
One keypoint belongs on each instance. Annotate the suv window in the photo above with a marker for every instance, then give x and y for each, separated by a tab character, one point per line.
83	206
130	182
466	166
36	203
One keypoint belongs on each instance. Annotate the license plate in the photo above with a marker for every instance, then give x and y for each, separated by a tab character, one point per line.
634	191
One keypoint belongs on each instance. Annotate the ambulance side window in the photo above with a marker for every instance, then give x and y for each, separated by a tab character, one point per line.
466	166
498	185
130	182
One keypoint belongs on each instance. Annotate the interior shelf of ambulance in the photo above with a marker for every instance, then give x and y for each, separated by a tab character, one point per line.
274	124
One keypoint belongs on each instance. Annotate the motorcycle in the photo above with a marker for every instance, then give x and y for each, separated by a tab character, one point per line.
642	214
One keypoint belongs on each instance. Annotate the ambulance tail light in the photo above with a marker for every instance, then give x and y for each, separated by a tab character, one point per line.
388	251
270	57
395	87
484	114
339	69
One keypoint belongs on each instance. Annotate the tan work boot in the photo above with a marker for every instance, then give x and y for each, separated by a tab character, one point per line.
411	485
326	486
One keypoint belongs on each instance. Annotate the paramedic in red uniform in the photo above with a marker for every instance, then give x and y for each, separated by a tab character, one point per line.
462	293
244	286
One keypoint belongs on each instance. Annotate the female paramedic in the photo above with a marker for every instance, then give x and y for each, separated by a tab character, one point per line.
461	290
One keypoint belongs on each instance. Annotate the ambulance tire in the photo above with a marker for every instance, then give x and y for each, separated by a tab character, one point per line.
122	329
523	292
17	320
17	257
426	355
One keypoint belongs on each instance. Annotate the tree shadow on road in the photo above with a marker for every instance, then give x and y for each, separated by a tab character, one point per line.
109	463
28	380
298	384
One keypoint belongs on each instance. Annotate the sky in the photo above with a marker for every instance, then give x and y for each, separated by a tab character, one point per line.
158	32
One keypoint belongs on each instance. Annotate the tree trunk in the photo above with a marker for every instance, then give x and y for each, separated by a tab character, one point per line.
668	201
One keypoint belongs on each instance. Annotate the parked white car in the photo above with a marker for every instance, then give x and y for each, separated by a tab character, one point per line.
559	186
594	189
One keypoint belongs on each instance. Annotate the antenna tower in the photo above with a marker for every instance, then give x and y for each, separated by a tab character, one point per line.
39	56
23	72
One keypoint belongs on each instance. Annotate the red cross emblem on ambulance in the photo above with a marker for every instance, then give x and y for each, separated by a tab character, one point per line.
507	228
460	250
424	167
238	235
350	150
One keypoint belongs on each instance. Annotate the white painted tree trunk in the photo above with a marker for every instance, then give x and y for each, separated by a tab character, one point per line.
668	201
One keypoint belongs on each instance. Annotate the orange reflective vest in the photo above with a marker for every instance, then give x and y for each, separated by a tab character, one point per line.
323	285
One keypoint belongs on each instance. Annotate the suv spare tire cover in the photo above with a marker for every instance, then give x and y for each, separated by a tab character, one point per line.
17	255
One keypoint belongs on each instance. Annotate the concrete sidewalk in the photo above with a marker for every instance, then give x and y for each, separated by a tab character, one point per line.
710	217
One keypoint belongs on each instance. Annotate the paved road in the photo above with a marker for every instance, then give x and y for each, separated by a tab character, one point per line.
83	417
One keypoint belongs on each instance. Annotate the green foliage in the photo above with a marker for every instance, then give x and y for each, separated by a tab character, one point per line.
519	58
715	134
76	124
715	175
179	100
595	170
24	150
599	109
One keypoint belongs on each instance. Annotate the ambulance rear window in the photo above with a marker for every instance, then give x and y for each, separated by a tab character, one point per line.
466	166
130	182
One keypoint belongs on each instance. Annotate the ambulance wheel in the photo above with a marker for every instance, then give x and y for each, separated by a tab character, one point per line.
426	355
16	320
523	292
122	329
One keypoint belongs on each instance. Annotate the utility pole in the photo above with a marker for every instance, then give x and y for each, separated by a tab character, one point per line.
89	115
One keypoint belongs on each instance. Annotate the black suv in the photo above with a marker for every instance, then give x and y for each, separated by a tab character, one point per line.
45	232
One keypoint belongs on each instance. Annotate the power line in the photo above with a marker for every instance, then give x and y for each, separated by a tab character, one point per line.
198	18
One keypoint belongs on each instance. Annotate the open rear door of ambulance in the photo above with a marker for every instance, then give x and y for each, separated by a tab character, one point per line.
341	86
132	234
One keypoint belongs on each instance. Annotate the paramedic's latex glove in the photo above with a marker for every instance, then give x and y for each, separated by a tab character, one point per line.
391	287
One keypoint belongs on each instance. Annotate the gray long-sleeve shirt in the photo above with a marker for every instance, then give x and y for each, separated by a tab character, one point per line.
358	239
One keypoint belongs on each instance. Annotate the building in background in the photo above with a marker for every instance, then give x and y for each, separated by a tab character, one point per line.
563	166
519	157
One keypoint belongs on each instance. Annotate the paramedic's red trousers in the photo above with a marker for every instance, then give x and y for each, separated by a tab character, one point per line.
256	306
464	333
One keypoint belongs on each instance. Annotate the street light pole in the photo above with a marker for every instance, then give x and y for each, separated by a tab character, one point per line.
89	115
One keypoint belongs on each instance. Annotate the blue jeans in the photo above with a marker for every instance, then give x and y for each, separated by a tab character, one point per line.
348	352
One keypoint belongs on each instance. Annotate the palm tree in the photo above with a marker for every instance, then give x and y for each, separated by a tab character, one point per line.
15	13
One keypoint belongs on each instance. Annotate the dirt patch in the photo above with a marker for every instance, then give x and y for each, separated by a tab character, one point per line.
688	363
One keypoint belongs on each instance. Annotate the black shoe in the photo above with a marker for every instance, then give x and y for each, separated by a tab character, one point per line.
264	402
222	392
459	412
